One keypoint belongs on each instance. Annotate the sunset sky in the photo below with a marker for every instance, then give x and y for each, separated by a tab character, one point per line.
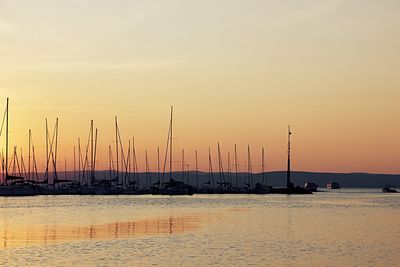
235	72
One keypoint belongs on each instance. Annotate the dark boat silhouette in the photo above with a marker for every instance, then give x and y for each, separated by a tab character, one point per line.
310	186
174	187
333	185
389	189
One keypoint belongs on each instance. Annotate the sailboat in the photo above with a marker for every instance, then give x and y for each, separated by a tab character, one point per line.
290	188
262	188
389	189
15	185
223	185
208	187
173	187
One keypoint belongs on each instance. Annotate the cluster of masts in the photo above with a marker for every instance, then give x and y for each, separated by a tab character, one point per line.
123	167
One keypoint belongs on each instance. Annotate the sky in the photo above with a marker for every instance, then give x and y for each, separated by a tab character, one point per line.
236	72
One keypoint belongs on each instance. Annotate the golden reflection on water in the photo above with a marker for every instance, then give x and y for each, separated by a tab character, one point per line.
50	234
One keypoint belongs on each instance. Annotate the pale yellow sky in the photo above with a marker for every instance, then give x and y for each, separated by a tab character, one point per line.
235	71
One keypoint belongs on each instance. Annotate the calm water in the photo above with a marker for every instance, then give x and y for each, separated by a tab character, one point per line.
341	228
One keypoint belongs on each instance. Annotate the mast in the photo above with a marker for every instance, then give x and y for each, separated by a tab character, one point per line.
288	182
221	167
29	155
15	164
23	169
197	170
123	159
95	155
2	165
236	169
116	146
74	164
7	141
263	166
79	160
55	153
65	168
249	167
109	160
183	165
229	169
91	152
210	169
128	165
34	168
129	161
170	145
188	173
147	167
47	152
135	165
158	164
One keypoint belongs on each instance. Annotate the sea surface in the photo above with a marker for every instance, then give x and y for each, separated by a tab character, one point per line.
357	227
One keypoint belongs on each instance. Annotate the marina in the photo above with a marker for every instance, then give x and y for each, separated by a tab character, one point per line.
124	176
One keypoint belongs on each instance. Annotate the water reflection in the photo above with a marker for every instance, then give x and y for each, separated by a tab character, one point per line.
50	234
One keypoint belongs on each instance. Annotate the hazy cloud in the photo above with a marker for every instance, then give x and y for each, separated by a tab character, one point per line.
150	65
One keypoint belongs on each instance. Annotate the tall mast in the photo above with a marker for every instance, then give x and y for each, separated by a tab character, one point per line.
55	153
236	169
79	160
34	167
249	167
229	168
221	167
263	166
210	169
288	183
23	169
170	145
47	152
29	155
2	165
188	173
147	168
128	165
91	152
95	154
135	165
116	145
129	161
74	163
7	141
65	168
183	165
197	170
158	165
109	160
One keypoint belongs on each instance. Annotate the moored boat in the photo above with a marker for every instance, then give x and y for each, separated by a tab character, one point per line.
333	185
312	187
389	189
176	188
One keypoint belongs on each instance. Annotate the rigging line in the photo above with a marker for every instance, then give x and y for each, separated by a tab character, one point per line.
2	124
166	154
